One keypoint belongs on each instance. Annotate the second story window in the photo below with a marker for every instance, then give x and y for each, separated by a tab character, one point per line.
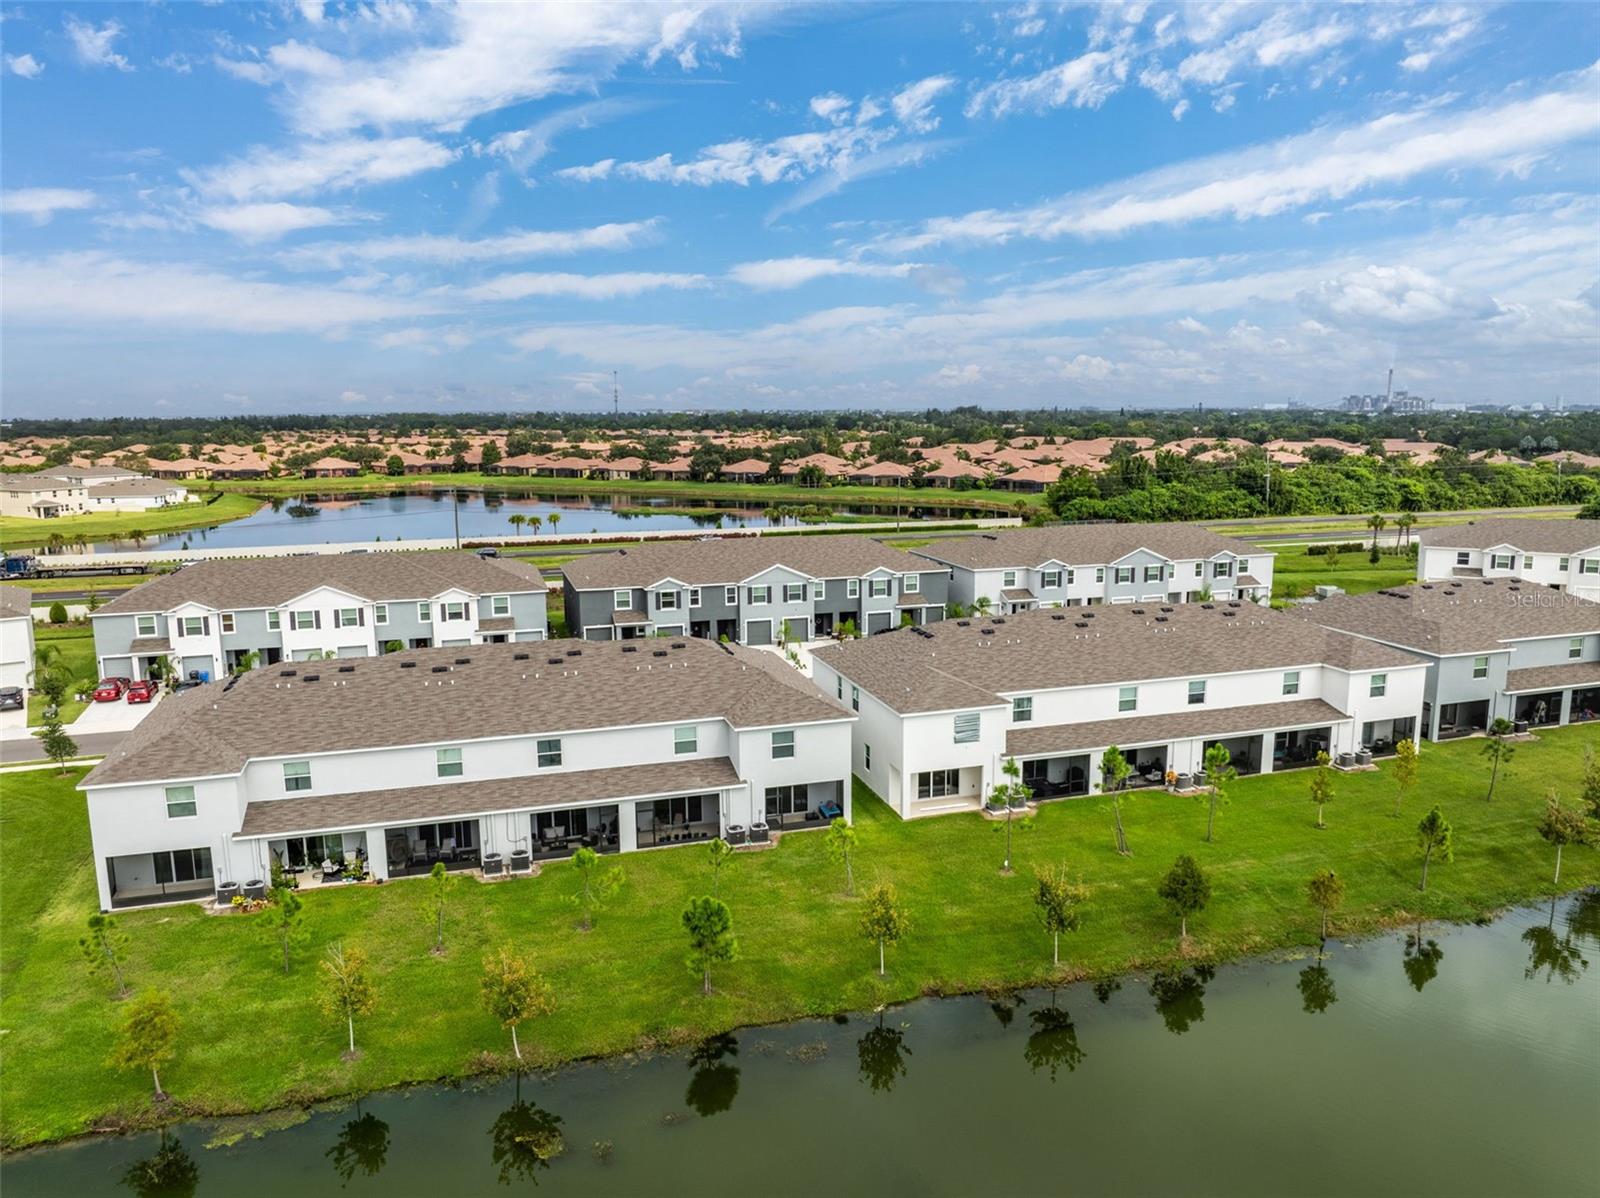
296	776
880	588
225	621
852	588
911	584
380	613
694	596
782	744
348	617
425	613
730	596
304	621
1291	682
855	698
273	624
500	605
819	590
180	802
1379	687
549	753
1562	564
685	740
1022	709
146	625
447	763
621	600
1501	561
1222	570
1154	573
1463	558
1197	691
794	592
1124	574
666	600
1128	698
453	611
966	727
1480	667
1575	647
760	595
1008	578
195	625
1050	579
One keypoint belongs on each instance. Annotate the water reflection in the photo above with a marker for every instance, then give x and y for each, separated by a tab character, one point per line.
525	1139
170	1173
363	1145
715	1083
1317	991
1005	1007
1053	1045
881	1056
1583	917
1105	988
1554	955
1422	957
1179	996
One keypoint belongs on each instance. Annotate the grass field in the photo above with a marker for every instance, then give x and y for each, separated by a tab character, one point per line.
1295	572
76	643
252	1038
19	533
102	582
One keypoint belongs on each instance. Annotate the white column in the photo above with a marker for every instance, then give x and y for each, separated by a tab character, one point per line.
1267	742
627	828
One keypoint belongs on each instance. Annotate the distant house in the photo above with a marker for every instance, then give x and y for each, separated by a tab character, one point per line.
950	474
177	468
749	470
618	469
676	470
830	466
881	474
332	468
522	464
1030	479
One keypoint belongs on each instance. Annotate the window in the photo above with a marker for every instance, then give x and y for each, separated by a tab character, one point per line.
1527	561
1154	573
759	595
819	589
500	605
182	865
855	698
730	596
1008	579
936	784
838	687
425	613
1291	682
879	588
866	757
794	592
787	800
1197	691
1379	687
1575	647
782	744
347	617
967	727
686	740
180	802
1480	667
1222	570
194	625
910	584
1128	698
225	621
1050	579
621	600
272	620
453	611
1071	574
1099	573
296	776
1022	709
667	600
447	763
549	753
380	613
303	620
1561	565
1589	565
1463	558
146	625
852	588
1501	561
1124	574
1244	565
694	596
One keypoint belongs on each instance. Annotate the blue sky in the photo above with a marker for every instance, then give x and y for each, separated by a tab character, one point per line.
345	207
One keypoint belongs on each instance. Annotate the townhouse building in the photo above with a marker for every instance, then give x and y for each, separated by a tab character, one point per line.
1495	648
1564	554
941	709
1074	565
204	618
41	497
16	636
484	759
751	590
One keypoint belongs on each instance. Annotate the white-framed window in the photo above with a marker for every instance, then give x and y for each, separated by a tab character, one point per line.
272	620
1463	558
694	596
1022	709
499	605
730	596
1154	573
1197	691
852	588
180	802
1099	573
1379	687
425	612
621	600
1589	565
794	592
1199	569
1222	569
347	617
194	625
866	757
1008	578
1501	561
1527	561
1575	647
936	784
911	584
447	763
685	740
300	621
380	613
1128	698
1124	574
549	752
760	595
667	600
1291	682
967	726
296	776
880	588
1071	576
146	625
225	621
1050	579
819	589
1480	667
1562	564
1244	565
855	698
453	611
783	744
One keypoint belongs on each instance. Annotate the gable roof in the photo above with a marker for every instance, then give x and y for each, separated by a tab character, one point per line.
1084	544
1460	616
731	559
1530	536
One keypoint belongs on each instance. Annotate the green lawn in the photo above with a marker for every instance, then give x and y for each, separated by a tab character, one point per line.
1296	572
100	582
253	1038
19	533
76	642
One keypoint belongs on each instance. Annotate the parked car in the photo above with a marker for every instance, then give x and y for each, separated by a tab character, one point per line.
11	698
109	690
143	691
487	551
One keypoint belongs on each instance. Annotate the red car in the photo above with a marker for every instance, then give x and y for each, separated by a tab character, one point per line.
109	690
142	691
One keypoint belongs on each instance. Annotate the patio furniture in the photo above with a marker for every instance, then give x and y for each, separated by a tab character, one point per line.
330	871
447	850
419	852
829	809
493	864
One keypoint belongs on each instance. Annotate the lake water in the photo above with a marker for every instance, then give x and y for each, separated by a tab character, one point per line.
1463	1064
368	516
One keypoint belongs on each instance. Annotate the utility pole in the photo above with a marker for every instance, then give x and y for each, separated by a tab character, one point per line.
615	400
455	511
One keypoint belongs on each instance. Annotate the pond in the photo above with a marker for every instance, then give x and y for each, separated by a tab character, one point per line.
1464	1061
433	513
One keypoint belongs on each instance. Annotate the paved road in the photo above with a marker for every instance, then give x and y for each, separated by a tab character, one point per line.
92	744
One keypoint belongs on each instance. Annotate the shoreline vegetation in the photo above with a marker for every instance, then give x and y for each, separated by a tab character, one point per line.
250	1037
215	506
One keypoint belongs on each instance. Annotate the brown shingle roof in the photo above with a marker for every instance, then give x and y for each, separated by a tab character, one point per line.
1549	678
1530	536
729	560
1151	729
264	582
503	690
1463	616
1085	544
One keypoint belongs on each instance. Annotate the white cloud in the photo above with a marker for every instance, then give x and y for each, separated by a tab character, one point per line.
1178	109
1393	295
622	285
515	243
94	44
913	106
524	148
267	221
340	165
592	173
1087	81
783	274
25	66
40	204
311	11
831	107
1295	172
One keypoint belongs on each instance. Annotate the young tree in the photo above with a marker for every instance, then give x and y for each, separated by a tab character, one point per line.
1497	750
1405	770
1376	522
1562	826
148	1036
1322	786
282	919
58	612
517	520
513	992
1590	795
1220	774
1012	792
709	925
717	853
841	844
1186	890
104	949
394	465
883	919
1326	892
440	885
1114	771
58	746
595	884
1056	899
346	989
1433	835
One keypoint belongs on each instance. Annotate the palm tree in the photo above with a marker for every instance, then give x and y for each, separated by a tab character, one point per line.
535	523
517	521
555	522
1376	522
1402	524
138	536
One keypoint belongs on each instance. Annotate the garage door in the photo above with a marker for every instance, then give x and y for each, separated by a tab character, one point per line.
118	667
879	621
758	632
797	629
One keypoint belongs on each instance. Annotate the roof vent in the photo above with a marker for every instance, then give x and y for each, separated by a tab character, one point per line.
963	623
463	661
312	678
1058	616
1080	623
574	652
1427	586
629	649
1088	615
986	632
1168	610
1138	611
441	669
555	661
519	657
1161	619
999	619
408	665
1228	615
1513	588
347	669
680	644
1234	603
1207	606
658	653
287	673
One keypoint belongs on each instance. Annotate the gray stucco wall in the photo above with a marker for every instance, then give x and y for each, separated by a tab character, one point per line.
114	634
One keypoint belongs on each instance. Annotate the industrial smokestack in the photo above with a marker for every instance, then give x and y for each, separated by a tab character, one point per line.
1388	392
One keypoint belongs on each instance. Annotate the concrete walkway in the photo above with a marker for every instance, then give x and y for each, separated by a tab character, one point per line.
28	749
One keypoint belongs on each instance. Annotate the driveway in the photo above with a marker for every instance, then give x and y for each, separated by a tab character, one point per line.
120	716
13	724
